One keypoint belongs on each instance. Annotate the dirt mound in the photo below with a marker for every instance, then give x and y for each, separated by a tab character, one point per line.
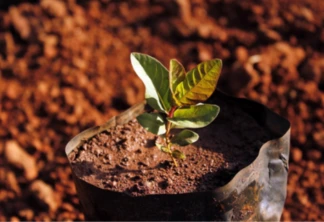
64	67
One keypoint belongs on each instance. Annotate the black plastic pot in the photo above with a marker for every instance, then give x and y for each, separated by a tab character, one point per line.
256	192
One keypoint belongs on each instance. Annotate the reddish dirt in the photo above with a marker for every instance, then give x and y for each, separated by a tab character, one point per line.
64	67
125	158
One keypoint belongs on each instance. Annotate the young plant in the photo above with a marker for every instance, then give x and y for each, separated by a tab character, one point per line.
176	97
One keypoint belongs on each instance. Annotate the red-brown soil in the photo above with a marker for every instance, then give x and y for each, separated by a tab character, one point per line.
64	67
125	158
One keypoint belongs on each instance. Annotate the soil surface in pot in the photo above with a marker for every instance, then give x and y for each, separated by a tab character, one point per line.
125	158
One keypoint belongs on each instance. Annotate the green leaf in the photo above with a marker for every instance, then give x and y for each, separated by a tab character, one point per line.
176	75
156	80
178	155
185	137
163	148
196	116
199	83
152	122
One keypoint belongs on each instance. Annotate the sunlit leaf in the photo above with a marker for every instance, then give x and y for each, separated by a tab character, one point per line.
185	137
176	75
156	80
199	83
152	122
196	116
177	154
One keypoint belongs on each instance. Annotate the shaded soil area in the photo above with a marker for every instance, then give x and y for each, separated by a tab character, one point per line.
125	158
64	67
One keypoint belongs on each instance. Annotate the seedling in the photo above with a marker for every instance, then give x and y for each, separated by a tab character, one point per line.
176	97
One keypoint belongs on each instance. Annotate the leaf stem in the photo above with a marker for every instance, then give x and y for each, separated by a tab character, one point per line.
167	134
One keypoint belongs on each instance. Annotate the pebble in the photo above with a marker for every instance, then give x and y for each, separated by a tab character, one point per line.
241	54
12	182
14	153
4	179
45	194
55	8
20	23
95	149
67	207
82	156
27	214
319	138
296	154
98	152
85	146
14	219
148	184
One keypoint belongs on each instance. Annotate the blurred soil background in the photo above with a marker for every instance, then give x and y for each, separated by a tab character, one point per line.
65	67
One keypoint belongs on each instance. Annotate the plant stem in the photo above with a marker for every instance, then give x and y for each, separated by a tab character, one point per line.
167	135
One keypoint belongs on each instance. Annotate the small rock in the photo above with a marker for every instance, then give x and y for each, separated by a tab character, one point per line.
20	23
85	146
26	214
313	70
155	157
45	195
12	90
297	154
241	54
12	182
18	157
14	219
204	52
8	178
270	34
96	150
67	207
55	8
82	156
319	138
50	51
148	184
